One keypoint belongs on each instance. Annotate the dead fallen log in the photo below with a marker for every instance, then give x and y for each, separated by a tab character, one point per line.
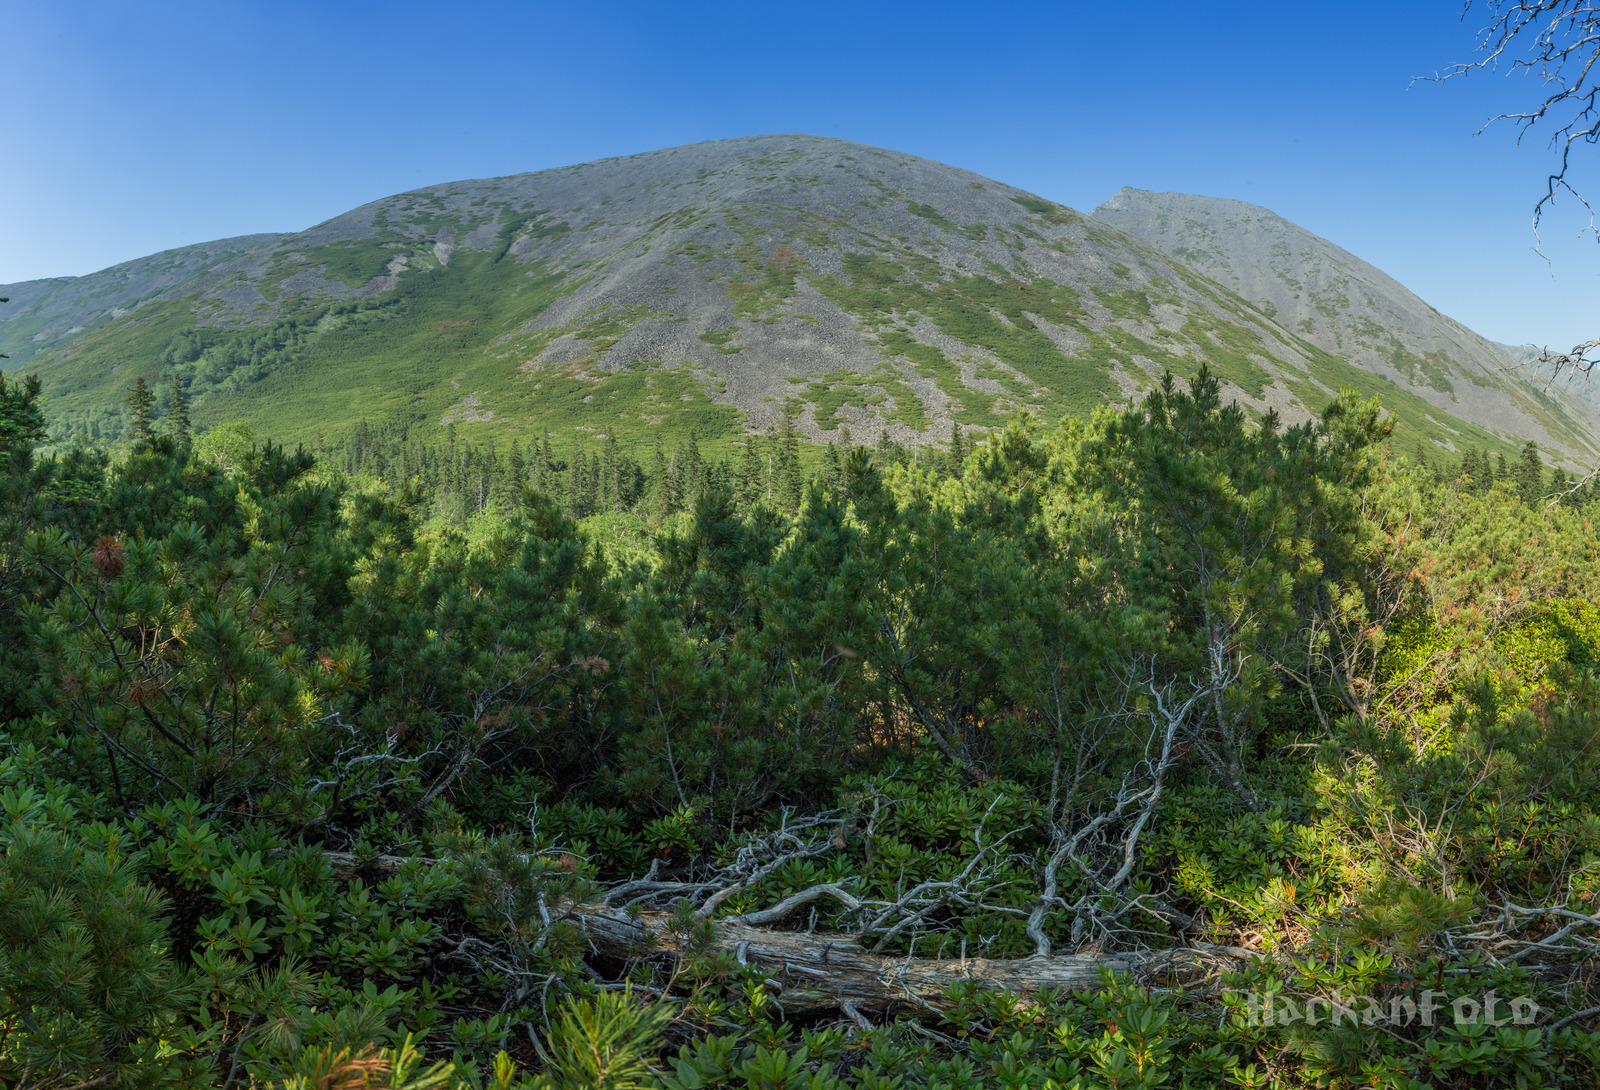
811	973
808	973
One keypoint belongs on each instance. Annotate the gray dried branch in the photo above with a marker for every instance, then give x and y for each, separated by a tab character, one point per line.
1103	848
1559	41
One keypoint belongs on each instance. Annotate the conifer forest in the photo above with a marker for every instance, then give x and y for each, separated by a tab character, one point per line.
1162	747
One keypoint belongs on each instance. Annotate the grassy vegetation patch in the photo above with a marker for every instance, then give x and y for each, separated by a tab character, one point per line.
975	231
930	362
765	283
354	262
723	340
604	325
1052	213
985	312
835	389
1129	305
629	402
1415	419
16	339
322	368
87	380
1230	349
882	389
537	225
1431	369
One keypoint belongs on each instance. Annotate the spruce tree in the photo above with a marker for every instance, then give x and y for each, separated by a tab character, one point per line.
659	501
516	472
591	486
833	470
750	472
575	481
791	482
672	491
1561	486
610	473
178	412
541	465
889	452
958	449
693	472
1529	475
141	400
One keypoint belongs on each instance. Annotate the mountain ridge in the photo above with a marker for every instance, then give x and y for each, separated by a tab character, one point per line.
45	313
1306	283
710	287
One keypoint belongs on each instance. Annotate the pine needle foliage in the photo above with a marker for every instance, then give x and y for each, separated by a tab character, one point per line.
301	778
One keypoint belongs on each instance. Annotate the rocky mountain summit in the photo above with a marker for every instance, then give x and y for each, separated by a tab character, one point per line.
716	286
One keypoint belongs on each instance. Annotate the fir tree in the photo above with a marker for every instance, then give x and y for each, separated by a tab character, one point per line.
750	472
575	481
693	471
1529	475
958	449
833	470
140	400
178	412
660	501
791	483
611	473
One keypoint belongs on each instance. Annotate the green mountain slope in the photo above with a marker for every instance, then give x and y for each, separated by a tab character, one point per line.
702	287
44	314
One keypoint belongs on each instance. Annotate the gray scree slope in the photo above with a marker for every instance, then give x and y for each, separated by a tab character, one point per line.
1338	302
877	289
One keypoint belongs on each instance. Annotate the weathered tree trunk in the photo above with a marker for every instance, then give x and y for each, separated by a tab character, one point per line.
812	972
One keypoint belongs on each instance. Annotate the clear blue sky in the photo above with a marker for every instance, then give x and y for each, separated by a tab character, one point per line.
130	128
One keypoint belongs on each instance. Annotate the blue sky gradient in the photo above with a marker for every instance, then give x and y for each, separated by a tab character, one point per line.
128	129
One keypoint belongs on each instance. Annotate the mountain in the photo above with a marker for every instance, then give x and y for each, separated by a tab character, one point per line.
1579	384
705	287
1350	309
46	313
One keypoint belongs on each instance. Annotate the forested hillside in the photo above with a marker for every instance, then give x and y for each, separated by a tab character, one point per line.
1038	765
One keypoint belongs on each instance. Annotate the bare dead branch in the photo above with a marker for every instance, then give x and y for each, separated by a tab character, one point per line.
1559	42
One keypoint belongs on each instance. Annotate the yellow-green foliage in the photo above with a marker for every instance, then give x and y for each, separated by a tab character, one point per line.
1547	638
